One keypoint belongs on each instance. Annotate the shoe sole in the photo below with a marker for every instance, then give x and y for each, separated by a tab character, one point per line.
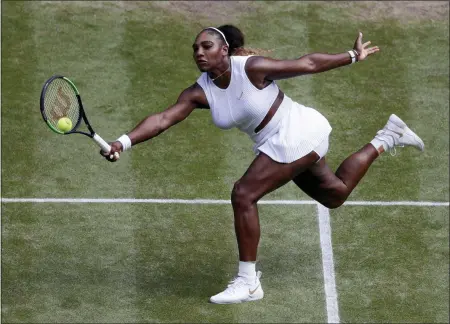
235	302
248	299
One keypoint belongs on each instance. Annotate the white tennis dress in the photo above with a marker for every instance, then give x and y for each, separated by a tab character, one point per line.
294	130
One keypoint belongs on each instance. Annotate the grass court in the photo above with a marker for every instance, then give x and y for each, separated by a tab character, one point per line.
137	261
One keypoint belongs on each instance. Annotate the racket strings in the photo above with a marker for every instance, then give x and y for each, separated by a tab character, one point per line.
61	101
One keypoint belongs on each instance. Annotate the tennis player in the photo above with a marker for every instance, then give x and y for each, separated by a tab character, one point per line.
290	140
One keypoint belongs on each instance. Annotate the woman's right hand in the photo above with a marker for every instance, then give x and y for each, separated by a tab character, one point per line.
114	154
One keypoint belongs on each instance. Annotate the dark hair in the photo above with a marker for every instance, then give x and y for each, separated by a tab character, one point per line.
236	42
234	36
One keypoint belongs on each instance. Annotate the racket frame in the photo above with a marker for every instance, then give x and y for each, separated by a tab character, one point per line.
82	115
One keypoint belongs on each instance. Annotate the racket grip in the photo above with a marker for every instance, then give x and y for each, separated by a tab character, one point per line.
101	142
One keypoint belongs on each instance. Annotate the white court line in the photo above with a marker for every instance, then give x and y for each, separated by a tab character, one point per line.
328	264
216	202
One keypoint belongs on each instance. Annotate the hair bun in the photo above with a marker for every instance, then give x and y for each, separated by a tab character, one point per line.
234	37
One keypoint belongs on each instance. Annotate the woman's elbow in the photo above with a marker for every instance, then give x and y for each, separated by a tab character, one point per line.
310	67
306	66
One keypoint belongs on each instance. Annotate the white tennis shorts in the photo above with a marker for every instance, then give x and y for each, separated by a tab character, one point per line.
299	131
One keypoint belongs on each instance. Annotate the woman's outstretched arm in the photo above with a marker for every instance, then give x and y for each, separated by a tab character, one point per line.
155	124
272	69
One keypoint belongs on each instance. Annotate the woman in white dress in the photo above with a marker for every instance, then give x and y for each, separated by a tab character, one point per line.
291	140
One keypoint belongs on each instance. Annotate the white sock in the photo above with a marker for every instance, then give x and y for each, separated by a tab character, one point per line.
377	143
247	269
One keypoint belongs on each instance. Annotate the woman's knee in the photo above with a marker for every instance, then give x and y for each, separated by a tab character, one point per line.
241	195
336	197
333	203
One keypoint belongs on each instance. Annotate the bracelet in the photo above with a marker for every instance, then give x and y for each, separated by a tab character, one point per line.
352	55
126	142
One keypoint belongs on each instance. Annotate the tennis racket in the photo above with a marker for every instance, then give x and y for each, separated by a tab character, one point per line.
60	101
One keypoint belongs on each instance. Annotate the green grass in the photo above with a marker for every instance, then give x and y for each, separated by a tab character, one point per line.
160	263
129	263
392	264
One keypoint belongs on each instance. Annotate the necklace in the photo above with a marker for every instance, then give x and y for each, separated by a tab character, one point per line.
221	74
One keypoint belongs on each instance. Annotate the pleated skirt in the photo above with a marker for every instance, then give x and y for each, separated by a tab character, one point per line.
294	133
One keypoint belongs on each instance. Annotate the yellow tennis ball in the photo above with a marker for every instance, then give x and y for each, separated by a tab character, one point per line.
64	124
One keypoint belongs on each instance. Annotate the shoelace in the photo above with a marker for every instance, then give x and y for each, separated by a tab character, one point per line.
235	283
392	150
238	282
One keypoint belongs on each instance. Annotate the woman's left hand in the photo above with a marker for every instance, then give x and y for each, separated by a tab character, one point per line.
362	49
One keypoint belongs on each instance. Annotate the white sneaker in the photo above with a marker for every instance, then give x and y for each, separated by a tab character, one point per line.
397	133
239	291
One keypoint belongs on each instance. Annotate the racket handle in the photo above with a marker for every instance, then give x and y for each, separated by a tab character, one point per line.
101	142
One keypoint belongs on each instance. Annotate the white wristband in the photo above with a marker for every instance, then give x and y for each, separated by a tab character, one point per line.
126	142
352	55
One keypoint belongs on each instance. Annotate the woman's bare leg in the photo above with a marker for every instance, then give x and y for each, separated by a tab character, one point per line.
263	176
332	189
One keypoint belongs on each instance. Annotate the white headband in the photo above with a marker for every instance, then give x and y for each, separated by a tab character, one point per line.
224	38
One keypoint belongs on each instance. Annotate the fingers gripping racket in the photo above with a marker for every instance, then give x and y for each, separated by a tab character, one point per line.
62	110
